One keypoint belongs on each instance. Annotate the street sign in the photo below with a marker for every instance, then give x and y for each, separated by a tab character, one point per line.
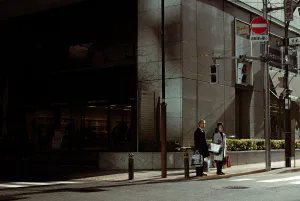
258	38
259	25
294	41
288	10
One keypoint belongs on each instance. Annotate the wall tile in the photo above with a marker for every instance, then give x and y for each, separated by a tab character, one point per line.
148	54
173	88
189	126
189	49
173	14
174	127
189	89
189	108
148	71
172	32
148	37
146	5
174	107
189	23
189	68
148	19
173	68
172	51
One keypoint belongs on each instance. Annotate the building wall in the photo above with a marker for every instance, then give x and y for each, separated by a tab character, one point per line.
197	30
149	57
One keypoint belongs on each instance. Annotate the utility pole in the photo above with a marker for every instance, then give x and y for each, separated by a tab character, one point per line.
289	8
287	100
265	68
288	91
163	127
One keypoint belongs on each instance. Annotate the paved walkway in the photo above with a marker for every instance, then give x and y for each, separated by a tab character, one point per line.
154	175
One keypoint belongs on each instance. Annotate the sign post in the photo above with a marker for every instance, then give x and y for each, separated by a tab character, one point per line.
288	10
294	41
259	27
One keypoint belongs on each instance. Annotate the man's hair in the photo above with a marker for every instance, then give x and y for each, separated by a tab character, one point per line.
201	121
219	124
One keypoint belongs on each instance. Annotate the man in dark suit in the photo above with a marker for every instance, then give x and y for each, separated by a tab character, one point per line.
201	145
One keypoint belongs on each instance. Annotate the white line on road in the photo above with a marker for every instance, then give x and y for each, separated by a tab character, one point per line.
242	179
11	186
283	179
296	182
32	183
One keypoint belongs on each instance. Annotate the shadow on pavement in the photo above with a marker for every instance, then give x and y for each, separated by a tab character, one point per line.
10	198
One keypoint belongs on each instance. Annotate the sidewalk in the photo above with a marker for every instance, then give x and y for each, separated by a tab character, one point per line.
154	175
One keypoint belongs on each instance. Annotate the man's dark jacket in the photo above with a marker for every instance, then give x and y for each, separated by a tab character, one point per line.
200	142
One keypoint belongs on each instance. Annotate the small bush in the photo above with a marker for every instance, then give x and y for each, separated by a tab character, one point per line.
251	144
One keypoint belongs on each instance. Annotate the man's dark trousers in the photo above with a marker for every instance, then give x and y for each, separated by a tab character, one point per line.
199	170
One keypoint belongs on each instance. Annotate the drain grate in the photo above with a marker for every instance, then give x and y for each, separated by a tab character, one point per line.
236	187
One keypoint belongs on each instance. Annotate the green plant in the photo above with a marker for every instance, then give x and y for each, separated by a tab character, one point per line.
251	144
173	146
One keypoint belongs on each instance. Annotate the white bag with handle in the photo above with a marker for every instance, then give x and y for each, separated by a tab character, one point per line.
214	148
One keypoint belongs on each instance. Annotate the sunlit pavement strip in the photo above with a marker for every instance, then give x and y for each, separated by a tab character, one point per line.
296	182
241	179
105	178
283	179
10	186
31	184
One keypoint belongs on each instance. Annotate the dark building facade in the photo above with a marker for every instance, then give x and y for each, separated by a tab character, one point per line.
72	69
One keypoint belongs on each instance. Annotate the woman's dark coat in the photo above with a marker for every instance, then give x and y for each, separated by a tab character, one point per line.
200	142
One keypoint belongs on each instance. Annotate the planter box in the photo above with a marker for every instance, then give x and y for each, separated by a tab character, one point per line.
152	160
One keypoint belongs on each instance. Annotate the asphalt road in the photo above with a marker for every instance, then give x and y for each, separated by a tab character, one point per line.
259	187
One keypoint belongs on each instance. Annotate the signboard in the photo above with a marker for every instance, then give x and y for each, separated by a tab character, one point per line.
288	10
257	38
294	41
146	115
259	25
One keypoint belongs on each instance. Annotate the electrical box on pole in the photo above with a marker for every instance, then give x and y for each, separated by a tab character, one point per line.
244	73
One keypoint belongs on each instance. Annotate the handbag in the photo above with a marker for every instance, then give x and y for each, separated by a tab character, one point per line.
197	160
228	161
214	148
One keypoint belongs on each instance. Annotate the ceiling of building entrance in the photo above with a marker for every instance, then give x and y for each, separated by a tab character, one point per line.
15	8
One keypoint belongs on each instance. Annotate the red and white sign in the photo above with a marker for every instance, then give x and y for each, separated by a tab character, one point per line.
259	25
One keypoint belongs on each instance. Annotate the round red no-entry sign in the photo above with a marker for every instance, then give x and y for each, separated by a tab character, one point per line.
259	25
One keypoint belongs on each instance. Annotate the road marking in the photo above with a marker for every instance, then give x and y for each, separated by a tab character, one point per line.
278	180
67	182
31	184
11	186
242	179
296	182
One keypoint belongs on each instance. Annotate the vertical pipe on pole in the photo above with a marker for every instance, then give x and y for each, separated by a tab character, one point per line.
265	67
163	104
282	57
287	115
298	60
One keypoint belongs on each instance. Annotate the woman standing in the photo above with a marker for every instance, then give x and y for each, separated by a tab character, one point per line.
220	138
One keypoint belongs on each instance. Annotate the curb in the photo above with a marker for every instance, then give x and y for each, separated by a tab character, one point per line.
194	178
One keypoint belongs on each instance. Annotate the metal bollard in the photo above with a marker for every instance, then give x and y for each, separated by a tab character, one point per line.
130	167
186	166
